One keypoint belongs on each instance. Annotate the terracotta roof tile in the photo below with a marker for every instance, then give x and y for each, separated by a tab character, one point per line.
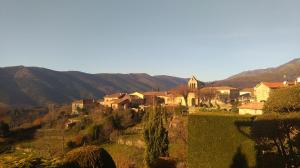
155	93
247	90
115	95
273	85
253	105
225	88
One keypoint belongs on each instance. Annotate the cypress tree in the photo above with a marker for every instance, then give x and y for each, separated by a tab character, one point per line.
156	137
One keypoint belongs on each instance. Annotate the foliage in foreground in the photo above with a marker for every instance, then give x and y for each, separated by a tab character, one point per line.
83	157
284	100
90	156
277	140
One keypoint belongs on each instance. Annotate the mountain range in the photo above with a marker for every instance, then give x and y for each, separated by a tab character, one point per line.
288	71
34	86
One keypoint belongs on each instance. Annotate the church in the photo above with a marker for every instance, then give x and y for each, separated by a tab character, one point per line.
193	97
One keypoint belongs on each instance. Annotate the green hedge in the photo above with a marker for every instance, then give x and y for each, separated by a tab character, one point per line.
214	142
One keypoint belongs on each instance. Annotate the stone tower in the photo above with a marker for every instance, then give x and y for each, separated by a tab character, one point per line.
193	83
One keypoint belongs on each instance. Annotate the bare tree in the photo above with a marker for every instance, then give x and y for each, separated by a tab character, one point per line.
207	94
182	90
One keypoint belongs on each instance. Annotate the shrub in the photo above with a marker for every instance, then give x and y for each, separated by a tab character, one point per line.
28	163
90	156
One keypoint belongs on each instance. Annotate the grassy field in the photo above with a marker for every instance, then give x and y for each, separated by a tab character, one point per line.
214	141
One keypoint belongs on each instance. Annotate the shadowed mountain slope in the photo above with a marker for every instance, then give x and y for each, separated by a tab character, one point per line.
289	71
32	86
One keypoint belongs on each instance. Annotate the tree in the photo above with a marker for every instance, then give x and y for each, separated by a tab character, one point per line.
4	129
156	137
284	100
207	94
182	90
277	134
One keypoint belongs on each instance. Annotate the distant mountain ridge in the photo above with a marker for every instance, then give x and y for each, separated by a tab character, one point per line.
34	86
289	71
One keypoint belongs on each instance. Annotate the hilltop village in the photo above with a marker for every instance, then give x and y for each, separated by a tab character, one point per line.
193	97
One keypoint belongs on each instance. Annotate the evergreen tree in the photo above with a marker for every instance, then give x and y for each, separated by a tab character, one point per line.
156	137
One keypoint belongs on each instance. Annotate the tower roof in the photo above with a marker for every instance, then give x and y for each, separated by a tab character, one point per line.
194	78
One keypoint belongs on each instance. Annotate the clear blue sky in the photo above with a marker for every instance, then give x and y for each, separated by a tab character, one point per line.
212	39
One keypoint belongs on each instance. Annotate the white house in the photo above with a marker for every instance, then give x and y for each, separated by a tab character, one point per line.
254	108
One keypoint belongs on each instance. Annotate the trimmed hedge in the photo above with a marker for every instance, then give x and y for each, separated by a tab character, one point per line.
215	142
89	156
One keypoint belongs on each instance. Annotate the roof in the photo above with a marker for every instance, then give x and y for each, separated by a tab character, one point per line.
118	101
84	101
273	85
247	90
115	95
155	93
174	94
225	88
194	78
253	105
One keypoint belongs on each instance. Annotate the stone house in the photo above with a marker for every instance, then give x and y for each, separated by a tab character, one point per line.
247	95
108	100
78	105
122	103
262	90
173	99
231	92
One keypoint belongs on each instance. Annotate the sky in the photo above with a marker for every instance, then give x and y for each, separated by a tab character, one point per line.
211	39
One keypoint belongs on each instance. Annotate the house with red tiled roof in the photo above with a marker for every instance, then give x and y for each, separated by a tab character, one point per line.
122	103
167	98
263	89
233	93
109	99
254	108
249	91
247	95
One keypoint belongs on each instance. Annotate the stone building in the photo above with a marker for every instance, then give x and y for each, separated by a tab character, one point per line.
194	86
108	100
78	105
193	83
